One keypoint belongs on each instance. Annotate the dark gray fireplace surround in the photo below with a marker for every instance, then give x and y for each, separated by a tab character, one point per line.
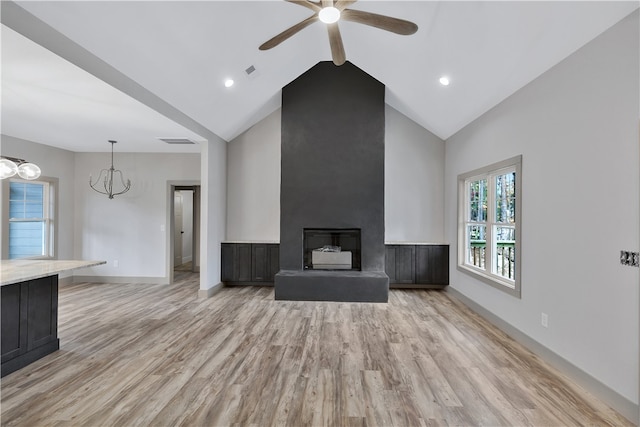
332	178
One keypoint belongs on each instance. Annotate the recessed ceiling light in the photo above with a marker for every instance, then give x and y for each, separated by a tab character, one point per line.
228	83
444	81
329	15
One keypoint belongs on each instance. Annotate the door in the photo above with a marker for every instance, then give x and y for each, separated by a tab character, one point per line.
259	263
432	264
42	311
177	229
13	302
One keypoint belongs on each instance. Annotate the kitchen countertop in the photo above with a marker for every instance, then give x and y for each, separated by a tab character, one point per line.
15	271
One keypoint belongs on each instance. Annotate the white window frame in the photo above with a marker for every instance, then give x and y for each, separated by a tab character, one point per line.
486	274
50	205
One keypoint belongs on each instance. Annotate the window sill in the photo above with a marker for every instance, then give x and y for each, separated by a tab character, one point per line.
510	288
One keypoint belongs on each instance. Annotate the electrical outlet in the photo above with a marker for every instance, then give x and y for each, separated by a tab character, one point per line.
544	320
624	257
629	258
116	263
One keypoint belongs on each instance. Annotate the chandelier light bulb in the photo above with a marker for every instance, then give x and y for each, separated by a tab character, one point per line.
7	168
329	15
29	171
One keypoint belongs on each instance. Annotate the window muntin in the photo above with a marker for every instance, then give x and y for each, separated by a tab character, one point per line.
489	229
30	228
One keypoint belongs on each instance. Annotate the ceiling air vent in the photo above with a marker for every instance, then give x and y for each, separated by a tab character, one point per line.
177	141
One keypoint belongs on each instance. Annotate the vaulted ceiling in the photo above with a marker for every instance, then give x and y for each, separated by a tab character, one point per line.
177	54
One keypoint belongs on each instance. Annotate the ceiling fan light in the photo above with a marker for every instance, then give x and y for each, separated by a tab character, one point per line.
29	171
7	168
329	15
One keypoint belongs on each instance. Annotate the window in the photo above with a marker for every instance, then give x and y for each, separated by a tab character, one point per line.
31	227
489	224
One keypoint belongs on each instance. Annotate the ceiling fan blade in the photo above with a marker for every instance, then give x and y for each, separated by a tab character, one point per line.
337	48
343	4
306	3
327	3
395	25
275	41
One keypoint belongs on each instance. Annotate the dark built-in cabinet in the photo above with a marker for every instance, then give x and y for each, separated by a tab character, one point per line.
432	264
400	263
406	265
250	263
417	265
29	325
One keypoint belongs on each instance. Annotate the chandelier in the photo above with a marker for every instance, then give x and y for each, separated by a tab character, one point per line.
107	181
9	166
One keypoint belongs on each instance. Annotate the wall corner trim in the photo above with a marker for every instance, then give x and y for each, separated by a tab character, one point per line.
208	293
624	406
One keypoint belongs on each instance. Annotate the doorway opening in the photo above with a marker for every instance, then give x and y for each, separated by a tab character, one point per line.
184	233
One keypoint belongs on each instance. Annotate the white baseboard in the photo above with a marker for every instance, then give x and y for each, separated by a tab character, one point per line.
624	406
120	279
208	293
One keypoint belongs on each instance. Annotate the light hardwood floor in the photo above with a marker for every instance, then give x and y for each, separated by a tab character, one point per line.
136	354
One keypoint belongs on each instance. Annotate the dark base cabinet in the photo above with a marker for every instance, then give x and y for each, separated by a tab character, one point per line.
400	262
432	264
250	263
408	266
417	265
29	328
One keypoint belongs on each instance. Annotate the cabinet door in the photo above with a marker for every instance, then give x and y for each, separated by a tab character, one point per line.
273	262
432	264
400	263
243	260
259	263
229	268
13	299
405	264
42	311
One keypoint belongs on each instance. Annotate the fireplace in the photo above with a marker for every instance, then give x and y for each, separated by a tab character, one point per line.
332	187
331	249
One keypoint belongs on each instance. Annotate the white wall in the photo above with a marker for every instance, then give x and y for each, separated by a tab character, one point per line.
577	129
214	213
414	181
414	176
253	186
131	228
55	163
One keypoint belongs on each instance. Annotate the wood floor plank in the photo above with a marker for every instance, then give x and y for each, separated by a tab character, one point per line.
145	354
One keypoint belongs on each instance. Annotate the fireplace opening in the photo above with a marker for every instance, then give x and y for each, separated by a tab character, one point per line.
332	249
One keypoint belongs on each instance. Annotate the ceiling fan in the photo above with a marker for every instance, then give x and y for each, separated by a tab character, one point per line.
329	12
